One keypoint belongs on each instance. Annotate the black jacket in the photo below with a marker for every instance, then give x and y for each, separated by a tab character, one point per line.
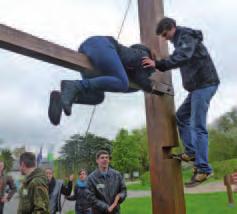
103	190
81	197
191	56
131	58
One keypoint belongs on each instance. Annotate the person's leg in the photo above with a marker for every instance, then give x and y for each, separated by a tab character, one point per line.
200	104
104	57
1	208
183	116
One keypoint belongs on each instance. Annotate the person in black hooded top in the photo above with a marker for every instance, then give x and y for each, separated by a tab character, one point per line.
82	206
200	79
118	65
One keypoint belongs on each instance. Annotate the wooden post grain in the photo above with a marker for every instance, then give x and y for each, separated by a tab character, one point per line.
166	178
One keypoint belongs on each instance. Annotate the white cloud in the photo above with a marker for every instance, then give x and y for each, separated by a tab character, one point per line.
25	83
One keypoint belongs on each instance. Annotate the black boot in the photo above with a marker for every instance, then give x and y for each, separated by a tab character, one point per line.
55	108
69	90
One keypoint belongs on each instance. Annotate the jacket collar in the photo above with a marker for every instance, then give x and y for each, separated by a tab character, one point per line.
102	175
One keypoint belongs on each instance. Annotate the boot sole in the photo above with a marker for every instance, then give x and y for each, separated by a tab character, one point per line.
55	108
177	157
196	183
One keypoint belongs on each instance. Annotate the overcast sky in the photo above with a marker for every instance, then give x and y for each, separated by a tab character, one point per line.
25	83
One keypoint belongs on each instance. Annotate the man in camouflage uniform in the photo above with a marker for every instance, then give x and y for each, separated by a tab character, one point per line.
5	182
33	194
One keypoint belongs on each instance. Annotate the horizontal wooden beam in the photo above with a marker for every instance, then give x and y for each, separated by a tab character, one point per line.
28	45
31	46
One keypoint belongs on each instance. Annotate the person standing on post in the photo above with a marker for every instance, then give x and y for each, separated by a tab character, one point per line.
5	181
56	188
201	80
33	194
107	189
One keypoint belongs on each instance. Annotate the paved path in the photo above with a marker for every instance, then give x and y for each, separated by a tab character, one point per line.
204	188
11	207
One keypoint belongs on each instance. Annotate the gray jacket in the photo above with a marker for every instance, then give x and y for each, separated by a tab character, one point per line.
103	190
191	56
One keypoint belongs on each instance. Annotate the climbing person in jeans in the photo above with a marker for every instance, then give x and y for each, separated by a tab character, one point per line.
200	79
80	195
118	64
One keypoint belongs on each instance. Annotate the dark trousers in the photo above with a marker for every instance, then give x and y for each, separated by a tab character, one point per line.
87	211
1	208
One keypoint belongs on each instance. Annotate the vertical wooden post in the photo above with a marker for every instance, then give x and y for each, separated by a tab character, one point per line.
166	178
228	182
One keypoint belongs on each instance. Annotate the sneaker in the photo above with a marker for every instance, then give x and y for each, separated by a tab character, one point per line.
197	179
184	157
69	90
55	108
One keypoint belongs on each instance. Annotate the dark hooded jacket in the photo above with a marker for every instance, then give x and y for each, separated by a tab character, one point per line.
191	56
33	194
131	58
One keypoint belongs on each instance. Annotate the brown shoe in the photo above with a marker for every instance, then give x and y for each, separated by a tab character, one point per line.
197	179
184	157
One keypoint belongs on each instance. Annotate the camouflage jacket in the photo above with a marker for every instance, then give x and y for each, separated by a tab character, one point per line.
33	194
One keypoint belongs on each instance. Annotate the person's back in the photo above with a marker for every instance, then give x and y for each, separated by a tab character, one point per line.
35	184
198	70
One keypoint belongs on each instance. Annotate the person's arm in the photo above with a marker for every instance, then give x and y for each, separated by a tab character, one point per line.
40	200
181	55
12	188
123	189
67	189
95	202
74	196
120	197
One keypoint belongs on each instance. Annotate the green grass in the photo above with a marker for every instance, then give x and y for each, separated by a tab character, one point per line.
215	203
187	174
208	203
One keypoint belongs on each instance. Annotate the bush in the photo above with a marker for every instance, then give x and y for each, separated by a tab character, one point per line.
222	168
145	179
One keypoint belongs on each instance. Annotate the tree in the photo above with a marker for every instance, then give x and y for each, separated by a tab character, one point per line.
125	152
79	152
223	137
6	156
18	151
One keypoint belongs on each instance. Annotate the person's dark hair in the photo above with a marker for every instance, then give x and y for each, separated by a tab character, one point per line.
165	24
28	158
82	170
142	48
49	168
101	152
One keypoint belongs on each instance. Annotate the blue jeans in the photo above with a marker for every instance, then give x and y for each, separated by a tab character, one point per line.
104	57
192	124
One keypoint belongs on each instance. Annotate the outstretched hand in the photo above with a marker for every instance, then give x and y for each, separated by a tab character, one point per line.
148	63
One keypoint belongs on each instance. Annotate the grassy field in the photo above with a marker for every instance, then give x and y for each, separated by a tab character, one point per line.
186	177
209	203
215	203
